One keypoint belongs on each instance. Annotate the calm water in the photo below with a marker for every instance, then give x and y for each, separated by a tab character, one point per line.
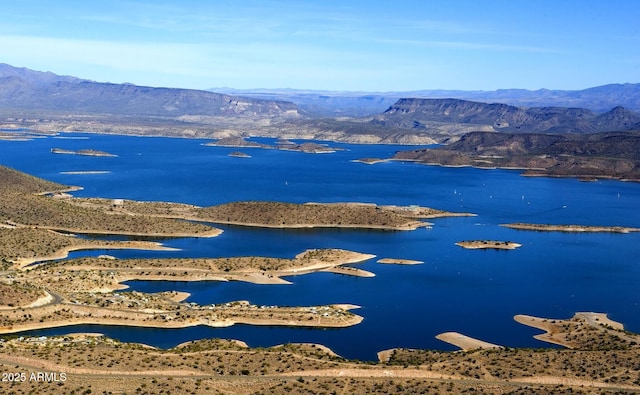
473	292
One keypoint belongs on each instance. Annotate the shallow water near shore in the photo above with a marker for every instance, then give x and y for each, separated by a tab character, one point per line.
475	292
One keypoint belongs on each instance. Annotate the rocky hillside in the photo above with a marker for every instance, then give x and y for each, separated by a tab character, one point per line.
424	113
23	89
600	155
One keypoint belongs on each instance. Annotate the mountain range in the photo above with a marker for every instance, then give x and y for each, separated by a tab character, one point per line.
24	89
357	104
423	113
46	101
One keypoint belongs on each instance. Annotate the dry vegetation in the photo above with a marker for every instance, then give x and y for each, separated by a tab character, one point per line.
283	215
23	204
276	214
83	292
13	296
229	367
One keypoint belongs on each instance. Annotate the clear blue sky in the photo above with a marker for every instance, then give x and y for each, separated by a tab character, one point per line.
354	45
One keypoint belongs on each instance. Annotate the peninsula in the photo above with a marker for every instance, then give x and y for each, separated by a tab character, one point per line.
39	225
465	343
579	331
280	214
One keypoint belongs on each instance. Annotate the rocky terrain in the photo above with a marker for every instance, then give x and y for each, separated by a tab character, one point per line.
424	113
589	156
27	89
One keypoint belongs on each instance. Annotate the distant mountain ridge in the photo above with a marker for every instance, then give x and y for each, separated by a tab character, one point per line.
336	103
47	102
22	88
422	113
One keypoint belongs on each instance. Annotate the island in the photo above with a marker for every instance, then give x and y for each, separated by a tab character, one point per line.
488	244
370	161
571	228
309	148
235	141
83	152
238	154
283	145
86	172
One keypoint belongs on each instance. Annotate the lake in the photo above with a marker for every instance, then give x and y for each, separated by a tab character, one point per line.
475	292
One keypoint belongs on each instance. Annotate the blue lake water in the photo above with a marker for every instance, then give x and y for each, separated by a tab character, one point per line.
473	292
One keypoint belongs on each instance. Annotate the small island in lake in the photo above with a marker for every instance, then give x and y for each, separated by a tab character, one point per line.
570	228
283	145
86	172
83	152
370	161
488	244
238	154
235	141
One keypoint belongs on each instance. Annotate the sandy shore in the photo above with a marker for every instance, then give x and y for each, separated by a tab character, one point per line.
179	296
466	343
349	271
24	263
599	318
394	261
385	355
104	316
